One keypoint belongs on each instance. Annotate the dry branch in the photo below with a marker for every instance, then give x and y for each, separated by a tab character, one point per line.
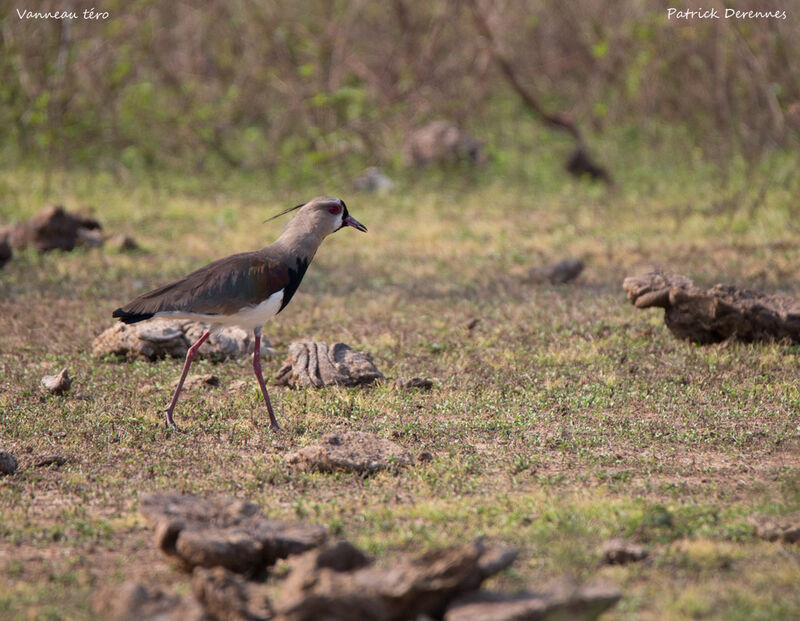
559	121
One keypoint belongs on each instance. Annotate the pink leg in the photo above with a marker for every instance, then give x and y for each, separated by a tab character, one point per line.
189	357
273	423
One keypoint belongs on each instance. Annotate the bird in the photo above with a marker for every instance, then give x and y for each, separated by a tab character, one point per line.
245	289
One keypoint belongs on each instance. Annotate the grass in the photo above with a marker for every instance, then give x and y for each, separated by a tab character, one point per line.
564	417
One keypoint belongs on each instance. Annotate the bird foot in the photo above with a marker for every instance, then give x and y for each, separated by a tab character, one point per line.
169	423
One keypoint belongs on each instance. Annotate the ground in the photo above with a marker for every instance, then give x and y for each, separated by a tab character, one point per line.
562	418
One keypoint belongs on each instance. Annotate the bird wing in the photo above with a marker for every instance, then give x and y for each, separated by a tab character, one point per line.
223	287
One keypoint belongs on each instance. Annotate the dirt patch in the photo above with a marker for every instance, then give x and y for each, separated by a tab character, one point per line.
352	451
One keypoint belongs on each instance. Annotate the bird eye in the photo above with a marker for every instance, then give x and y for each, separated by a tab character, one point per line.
335	209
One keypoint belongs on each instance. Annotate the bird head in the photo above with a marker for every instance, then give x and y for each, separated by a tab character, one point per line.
324	215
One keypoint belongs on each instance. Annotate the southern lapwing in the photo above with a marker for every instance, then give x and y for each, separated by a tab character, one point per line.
245	289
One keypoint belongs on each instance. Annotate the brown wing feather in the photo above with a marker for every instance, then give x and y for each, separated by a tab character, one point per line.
220	288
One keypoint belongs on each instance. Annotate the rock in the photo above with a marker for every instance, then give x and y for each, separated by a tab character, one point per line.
585	603
227	596
8	463
473	323
777	529
193	382
92	238
441	142
580	164
238	385
49	460
557	273
122	243
406	590
415	383
717	314
792	115
315	364
134	601
54	228
57	384
152	340
233	548
373	180
14	235
224	532
493	560
353	451
491	606
621	552
219	536
424	457
5	250
338	556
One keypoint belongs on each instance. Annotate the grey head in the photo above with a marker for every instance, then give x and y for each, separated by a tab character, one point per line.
320	217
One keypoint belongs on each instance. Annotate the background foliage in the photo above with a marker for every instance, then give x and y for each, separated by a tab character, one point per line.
259	86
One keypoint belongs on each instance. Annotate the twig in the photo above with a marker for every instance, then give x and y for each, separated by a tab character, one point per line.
579	163
560	121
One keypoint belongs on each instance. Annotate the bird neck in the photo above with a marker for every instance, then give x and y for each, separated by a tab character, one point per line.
300	240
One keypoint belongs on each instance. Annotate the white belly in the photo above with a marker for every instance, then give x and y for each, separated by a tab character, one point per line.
249	317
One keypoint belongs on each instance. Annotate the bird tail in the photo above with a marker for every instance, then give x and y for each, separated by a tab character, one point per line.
130	317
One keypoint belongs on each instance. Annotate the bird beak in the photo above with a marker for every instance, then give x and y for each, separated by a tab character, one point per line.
351	221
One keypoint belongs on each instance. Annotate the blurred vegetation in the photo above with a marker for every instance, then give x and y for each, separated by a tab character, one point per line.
294	87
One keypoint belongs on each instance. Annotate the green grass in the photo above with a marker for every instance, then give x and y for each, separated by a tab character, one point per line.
563	418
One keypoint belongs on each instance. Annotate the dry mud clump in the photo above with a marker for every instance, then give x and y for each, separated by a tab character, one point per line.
226	543
716	314
312	364
353	451
153	340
